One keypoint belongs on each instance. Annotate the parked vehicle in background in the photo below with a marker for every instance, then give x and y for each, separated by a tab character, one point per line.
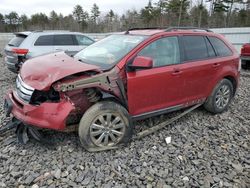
125	77
245	56
26	45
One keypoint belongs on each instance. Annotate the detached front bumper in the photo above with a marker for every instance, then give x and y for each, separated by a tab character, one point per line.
46	115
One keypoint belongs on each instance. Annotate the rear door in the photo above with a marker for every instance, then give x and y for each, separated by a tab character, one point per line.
199	67
160	87
65	42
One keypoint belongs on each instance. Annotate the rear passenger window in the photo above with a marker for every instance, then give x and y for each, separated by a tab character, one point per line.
220	47
45	40
63	40
195	48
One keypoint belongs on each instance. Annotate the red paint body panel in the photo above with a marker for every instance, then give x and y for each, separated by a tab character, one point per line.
153	89
143	62
42	71
197	76
200	77
46	115
245	50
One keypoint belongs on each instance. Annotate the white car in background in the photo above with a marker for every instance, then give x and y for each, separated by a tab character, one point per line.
26	45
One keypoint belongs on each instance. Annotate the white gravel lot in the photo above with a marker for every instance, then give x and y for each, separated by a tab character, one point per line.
206	151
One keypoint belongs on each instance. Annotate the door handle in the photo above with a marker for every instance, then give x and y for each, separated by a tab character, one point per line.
176	72
216	65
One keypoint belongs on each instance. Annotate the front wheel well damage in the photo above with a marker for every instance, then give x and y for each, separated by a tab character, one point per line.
95	95
115	100
89	97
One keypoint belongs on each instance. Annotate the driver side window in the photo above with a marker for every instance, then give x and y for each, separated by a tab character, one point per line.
164	51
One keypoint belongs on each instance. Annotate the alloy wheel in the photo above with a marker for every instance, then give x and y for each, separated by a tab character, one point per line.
222	97
107	129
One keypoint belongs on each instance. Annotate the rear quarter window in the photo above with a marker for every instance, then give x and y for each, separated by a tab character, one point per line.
17	40
210	48
220	47
45	40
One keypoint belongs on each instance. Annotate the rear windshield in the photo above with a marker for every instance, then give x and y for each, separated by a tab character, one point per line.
17	40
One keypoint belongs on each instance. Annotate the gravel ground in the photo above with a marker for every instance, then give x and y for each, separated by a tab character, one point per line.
205	151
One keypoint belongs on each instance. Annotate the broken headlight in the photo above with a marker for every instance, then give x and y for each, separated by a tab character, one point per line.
39	97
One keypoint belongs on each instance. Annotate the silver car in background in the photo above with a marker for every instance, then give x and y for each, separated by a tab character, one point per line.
26	45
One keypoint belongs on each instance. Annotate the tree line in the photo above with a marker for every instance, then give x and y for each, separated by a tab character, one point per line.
164	13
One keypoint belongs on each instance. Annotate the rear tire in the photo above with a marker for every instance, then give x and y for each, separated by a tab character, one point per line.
105	125
220	98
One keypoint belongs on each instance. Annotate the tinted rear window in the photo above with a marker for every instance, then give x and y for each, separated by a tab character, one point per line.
195	48
46	40
220	47
17	40
63	40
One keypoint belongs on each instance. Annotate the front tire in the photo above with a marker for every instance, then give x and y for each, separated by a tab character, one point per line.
105	125
220	98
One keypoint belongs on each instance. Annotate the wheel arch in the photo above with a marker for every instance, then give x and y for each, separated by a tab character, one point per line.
109	97
233	81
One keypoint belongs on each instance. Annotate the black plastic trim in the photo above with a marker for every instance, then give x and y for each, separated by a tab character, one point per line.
157	112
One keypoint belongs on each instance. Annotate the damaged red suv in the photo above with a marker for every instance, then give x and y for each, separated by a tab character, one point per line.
122	78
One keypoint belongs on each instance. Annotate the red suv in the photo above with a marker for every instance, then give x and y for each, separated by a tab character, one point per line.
245	56
124	77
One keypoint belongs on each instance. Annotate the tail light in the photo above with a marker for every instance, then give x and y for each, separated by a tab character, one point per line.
245	48
242	50
20	51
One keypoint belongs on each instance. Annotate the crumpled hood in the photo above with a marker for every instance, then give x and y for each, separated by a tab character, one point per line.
41	72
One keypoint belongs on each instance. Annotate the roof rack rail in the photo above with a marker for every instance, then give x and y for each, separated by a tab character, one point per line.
169	29
51	31
187	28
37	31
143	28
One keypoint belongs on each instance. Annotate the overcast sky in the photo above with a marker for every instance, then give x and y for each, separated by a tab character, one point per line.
65	7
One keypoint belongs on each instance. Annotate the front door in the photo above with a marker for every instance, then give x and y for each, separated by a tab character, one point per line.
159	87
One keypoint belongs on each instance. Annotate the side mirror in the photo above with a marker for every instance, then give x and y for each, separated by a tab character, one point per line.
141	62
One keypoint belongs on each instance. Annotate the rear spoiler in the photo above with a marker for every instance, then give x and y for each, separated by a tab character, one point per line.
25	33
